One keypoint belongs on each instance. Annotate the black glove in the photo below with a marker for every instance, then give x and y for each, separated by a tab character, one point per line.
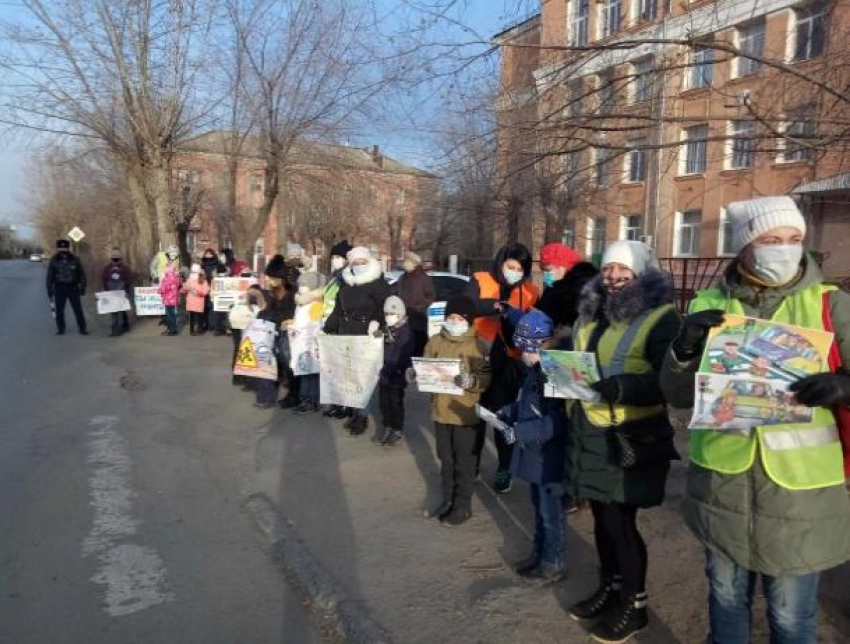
694	331
609	389
823	390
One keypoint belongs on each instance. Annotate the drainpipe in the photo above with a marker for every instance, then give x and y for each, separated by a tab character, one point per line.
653	188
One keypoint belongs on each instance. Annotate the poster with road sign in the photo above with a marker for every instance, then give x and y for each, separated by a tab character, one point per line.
304	347
350	365
112	302
570	374
437	375
228	291
148	301
76	234
255	357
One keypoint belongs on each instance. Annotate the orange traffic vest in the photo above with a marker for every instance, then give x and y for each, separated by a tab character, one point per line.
522	297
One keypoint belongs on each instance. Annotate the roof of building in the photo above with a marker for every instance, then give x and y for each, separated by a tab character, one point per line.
518	29
306	152
838	183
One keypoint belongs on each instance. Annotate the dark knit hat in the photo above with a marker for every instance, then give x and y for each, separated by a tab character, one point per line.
340	249
533	329
63	244
461	305
276	267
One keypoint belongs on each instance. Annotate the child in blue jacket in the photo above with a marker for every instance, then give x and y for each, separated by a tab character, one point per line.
539	425
399	346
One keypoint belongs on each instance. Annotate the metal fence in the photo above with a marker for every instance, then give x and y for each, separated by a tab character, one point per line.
691	274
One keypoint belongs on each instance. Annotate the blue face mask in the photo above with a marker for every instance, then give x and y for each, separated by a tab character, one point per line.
512	277
360	270
549	278
456	328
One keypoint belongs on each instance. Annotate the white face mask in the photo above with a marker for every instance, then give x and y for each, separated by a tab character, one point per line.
337	263
456	328
392	319
512	277
776	264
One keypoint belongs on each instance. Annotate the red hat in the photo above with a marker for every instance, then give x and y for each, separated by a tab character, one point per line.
559	255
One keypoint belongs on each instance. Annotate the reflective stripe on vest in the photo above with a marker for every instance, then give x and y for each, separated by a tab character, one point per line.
799	456
620	351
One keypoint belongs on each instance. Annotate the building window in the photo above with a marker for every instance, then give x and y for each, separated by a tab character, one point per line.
601	167
810	31
642	83
576	94
636	162
569	236
750	41
647	10
579	22
631	227
701	69
595	236
400	197
724	241
695	149
687	232
742	134
605	91
610	17
799	128
256	184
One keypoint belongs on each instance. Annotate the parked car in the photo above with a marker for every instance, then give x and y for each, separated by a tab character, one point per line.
36	257
445	284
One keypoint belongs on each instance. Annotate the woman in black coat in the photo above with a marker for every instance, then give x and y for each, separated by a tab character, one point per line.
359	310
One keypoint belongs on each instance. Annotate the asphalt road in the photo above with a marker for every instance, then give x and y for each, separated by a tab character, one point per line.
120	489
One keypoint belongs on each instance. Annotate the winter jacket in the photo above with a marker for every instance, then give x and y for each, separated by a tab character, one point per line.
540	427
592	469
65	270
759	524
169	287
278	310
416	289
459	410
196	293
399	345
210	266
360	300
560	301
117	277
238	267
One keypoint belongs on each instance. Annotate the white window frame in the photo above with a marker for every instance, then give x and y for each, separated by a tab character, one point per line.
576	96
568	236
783	154
643	11
592	234
794	30
700	74
604	21
643	80
625	228
743	66
732	131
597	164
724	235
579	24
602	79
677	234
635	148
684	162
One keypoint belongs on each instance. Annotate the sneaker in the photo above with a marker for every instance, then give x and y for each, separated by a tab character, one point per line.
440	512
603	600
339	413
456	517
523	566
329	411
381	435
576	506
624	623
288	403
60	331
546	573
83	332
503	481
305	408
264	405
358	425
392	437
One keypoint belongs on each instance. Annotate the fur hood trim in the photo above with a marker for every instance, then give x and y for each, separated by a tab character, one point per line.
374	273
308	297
652	289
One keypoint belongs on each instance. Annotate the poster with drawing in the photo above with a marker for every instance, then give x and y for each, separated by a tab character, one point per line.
750	347
570	374
349	368
255	357
228	291
112	302
437	375
743	402
304	349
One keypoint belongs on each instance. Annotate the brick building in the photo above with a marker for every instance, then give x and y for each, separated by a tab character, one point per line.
327	192
674	110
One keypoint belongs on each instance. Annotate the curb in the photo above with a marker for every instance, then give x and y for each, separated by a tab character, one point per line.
345	620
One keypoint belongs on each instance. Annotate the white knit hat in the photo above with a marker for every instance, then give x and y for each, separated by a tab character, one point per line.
755	217
358	252
395	304
633	254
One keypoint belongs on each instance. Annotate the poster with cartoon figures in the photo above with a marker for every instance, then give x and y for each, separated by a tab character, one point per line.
570	374
304	347
745	346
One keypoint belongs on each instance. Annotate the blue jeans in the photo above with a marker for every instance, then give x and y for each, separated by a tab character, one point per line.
792	603
309	388
548	524
171	318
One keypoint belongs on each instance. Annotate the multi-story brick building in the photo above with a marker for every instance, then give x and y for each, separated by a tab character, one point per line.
651	116
327	192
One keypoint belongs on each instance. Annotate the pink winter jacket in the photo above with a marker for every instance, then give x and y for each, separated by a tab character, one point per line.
169	287
195	294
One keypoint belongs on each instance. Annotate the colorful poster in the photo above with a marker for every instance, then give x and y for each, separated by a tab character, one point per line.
437	376
304	347
436	317
148	301
349	367
112	302
749	347
570	374
255	357
228	291
744	402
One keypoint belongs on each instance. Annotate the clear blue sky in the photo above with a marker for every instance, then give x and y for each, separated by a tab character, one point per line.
485	17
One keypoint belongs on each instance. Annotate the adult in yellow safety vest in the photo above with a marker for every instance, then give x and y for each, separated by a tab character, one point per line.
769	501
619	447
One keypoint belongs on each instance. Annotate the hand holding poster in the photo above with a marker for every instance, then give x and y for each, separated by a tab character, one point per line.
437	376
255	357
570	374
112	302
148	301
350	366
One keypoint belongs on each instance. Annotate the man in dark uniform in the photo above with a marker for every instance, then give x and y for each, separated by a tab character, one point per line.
66	281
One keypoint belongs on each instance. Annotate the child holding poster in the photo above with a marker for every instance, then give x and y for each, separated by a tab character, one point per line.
455	418
196	290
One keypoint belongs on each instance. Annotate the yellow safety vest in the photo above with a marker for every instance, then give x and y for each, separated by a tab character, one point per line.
797	456
621	350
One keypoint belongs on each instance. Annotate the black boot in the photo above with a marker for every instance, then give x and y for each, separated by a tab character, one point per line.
358	425
625	622
440	512
524	566
606	597
392	437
